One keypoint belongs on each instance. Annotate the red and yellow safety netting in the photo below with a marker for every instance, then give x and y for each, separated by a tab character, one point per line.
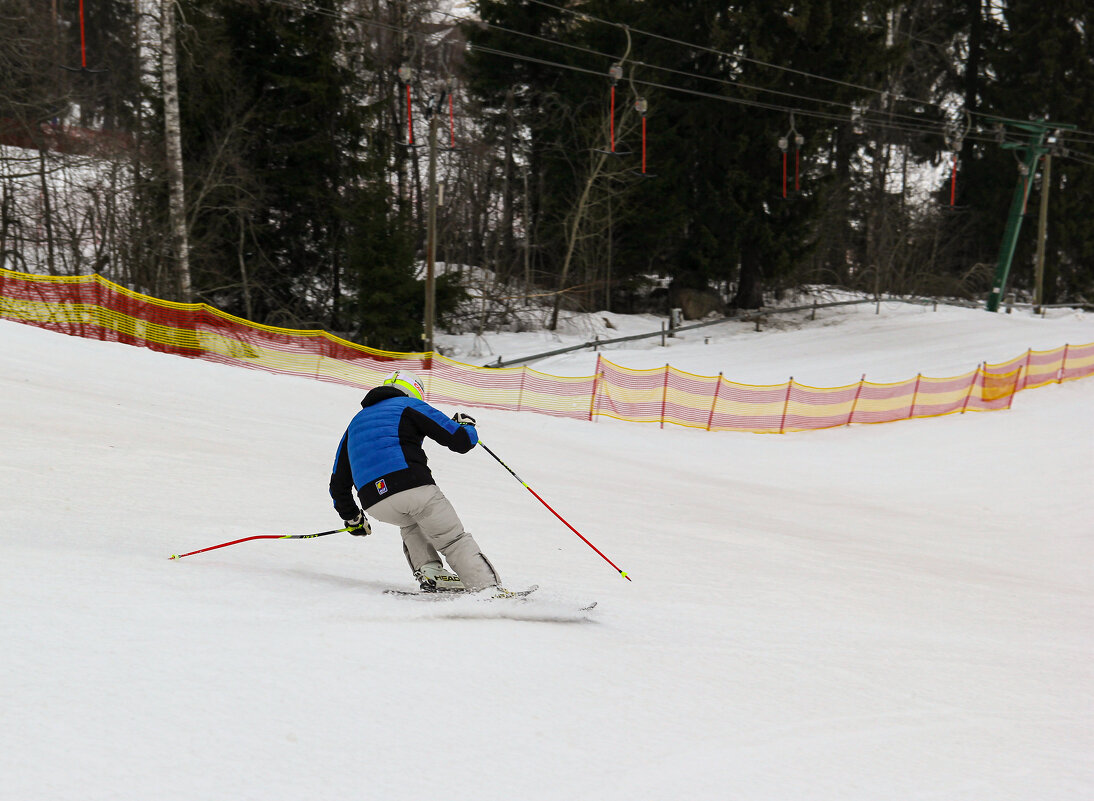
92	306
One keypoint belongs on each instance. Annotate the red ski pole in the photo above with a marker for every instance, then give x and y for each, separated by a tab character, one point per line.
261	537
552	511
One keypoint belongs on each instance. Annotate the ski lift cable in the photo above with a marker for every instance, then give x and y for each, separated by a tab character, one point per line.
929	129
915	124
907	128
343	15
758	62
915	121
1077	155
600	54
669	70
734	56
1072	134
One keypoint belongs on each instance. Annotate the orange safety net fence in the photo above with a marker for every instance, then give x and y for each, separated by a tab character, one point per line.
92	306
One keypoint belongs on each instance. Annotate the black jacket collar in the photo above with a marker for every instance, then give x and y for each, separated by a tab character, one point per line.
380	393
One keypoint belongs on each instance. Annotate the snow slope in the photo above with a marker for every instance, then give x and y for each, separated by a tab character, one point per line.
902	611
889	344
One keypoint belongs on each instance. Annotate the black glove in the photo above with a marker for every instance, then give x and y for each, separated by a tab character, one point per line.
359	526
463	419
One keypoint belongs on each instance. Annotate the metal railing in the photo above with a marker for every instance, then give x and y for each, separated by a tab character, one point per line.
751	315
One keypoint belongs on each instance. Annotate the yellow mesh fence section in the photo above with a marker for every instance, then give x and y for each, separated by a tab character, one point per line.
689	398
744	407
884	403
92	306
809	408
637	396
938	396
1078	364
999	386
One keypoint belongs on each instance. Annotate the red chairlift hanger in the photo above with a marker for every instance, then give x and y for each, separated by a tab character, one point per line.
406	75
956	143
435	105
642	106
784	143
615	73
953	180
83	68
451	123
450	91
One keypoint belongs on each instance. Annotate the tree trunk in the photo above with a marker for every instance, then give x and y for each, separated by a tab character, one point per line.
750	293
4	221
179	243
976	44
506	260
573	229
47	211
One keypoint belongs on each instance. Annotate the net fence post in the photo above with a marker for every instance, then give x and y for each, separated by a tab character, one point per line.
854	403
664	395
714	403
786	404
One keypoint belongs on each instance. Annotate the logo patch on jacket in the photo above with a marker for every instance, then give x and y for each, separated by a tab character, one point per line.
381	487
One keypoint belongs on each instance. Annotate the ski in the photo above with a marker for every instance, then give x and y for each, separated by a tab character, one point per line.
513	595
448	595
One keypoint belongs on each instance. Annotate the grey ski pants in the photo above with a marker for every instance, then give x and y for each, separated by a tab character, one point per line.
429	524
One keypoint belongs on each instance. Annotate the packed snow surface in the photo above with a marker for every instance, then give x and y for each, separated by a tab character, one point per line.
899	611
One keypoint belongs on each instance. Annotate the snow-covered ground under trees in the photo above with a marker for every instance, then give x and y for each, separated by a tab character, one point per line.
900	611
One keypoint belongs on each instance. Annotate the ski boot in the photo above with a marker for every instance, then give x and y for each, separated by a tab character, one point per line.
432	577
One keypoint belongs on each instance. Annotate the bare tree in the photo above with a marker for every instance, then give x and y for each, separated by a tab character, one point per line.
180	245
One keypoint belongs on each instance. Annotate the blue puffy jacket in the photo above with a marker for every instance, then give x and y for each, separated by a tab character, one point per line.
381	452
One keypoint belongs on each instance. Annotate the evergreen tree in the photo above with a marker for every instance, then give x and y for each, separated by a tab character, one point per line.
1029	61
546	117
715	212
290	205
1047	53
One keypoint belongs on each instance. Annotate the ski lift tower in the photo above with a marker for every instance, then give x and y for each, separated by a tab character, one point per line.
1041	138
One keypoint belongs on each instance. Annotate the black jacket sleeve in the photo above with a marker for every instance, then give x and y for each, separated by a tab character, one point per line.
341	484
433	423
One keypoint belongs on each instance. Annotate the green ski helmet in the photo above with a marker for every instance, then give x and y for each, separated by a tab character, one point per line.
407	383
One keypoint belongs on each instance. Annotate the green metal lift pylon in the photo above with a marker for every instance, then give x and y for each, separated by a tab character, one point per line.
1029	153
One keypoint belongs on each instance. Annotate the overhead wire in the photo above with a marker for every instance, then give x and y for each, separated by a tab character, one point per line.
894	120
733	56
759	62
928	126
925	128
911	123
897	121
692	75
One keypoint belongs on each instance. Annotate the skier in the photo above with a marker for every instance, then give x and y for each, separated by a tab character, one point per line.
381	456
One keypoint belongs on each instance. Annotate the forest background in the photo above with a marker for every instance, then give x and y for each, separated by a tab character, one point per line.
610	154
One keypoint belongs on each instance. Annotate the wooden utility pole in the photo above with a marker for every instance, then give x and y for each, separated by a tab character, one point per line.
1042	232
